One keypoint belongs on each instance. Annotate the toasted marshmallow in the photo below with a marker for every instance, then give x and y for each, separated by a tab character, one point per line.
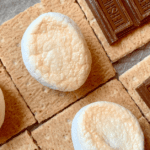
106	126
2	108
55	52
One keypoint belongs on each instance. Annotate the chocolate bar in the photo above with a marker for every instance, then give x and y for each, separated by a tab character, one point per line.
144	91
119	17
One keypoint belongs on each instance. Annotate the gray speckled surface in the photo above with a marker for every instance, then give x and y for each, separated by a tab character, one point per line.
132	59
10	8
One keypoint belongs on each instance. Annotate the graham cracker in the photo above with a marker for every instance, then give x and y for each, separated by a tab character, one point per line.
146	130
45	102
17	114
101	68
126	45
51	3
56	133
21	142
133	78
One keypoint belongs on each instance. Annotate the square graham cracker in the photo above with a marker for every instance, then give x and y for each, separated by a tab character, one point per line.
45	102
56	133
21	142
101	68
17	114
124	46
135	77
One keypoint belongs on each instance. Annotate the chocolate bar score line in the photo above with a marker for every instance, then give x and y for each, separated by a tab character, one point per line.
117	18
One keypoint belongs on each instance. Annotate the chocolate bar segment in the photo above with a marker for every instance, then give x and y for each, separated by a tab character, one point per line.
138	9
113	10
144	91
143	6
119	17
111	17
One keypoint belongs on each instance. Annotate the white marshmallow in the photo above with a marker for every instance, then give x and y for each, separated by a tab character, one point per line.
55	52
106	126
2	108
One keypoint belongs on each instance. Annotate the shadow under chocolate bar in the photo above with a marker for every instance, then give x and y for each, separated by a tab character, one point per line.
119	17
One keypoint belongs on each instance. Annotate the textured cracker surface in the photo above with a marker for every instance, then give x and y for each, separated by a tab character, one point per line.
43	101
126	45
47	3
133	78
21	142
56	133
17	114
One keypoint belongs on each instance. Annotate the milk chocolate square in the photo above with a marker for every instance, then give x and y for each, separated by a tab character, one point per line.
119	17
144	91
